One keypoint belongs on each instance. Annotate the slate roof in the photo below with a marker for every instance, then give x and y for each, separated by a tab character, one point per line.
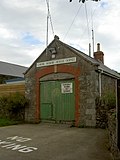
101	67
12	69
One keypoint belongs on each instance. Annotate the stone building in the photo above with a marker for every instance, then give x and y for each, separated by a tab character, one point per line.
63	84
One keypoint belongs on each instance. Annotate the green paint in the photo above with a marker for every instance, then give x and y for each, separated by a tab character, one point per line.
57	104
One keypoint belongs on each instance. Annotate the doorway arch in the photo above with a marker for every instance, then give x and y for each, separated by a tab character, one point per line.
75	71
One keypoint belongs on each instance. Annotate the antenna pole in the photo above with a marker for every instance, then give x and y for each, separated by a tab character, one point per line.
47	1
93	40
47	34
89	49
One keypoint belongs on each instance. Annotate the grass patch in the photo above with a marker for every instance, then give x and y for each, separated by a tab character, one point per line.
7	122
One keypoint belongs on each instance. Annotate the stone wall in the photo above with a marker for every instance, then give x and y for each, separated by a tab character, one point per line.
107	100
108	84
88	87
30	95
88	93
113	134
88	84
101	114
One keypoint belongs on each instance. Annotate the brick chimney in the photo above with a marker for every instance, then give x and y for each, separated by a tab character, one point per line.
99	55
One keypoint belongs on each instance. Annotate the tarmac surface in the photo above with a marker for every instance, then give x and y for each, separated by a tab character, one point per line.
53	142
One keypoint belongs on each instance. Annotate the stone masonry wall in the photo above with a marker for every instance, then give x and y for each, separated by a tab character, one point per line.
101	114
107	96
88	90
31	95
108	85
88	80
88	93
112	134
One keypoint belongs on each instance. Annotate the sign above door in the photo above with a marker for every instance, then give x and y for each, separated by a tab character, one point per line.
57	61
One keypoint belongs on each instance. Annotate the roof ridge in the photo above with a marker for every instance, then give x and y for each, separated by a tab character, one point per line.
92	60
12	64
80	53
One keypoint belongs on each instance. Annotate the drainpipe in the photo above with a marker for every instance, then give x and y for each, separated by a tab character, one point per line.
116	114
100	81
100	84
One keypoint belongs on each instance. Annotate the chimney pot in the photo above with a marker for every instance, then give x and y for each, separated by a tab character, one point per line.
99	55
98	47
56	37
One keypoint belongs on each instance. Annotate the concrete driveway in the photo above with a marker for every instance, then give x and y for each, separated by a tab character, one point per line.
52	142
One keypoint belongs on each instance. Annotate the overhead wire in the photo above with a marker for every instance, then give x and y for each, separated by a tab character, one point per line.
49	18
92	27
87	28
89	21
89	25
72	22
49	14
93	10
86	13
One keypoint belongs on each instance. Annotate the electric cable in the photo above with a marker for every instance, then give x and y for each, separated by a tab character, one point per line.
92	26
49	16
72	22
87	28
86	13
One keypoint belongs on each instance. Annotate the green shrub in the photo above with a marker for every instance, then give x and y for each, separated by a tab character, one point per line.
13	106
106	101
3	106
7	122
105	104
109	100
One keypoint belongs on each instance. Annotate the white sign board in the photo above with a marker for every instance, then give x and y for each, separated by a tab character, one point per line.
57	61
66	87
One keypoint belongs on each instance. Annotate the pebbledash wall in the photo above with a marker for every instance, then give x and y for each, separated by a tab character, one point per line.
62	62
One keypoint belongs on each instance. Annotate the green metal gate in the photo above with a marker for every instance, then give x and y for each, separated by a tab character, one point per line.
57	100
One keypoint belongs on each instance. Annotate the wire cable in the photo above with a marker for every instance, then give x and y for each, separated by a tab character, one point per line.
72	22
49	16
87	21
92	26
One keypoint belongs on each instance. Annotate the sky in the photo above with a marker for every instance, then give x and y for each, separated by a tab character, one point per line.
23	28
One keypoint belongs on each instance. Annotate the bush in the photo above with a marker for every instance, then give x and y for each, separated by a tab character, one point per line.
3	106
109	100
13	106
104	104
7	122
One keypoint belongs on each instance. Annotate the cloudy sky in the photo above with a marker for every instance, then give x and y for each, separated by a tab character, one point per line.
23	28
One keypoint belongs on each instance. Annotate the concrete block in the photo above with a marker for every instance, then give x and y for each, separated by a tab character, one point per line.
91	123
91	111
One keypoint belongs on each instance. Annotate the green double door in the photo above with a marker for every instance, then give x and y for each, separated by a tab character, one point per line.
57	100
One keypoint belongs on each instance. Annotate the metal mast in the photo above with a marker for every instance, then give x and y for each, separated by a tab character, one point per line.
47	2
93	40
